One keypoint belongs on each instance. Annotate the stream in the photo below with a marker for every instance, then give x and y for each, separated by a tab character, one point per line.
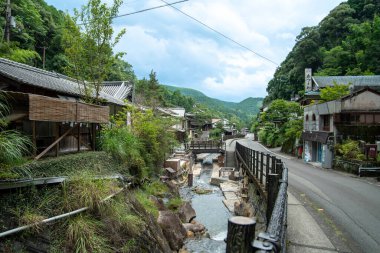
210	211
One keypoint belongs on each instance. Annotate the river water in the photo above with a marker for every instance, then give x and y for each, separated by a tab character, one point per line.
211	212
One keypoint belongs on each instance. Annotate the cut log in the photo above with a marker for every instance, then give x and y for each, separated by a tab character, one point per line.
241	232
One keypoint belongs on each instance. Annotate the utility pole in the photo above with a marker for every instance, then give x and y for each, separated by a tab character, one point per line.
43	56
8	16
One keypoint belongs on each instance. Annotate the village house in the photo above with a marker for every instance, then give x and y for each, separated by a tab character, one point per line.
49	107
355	116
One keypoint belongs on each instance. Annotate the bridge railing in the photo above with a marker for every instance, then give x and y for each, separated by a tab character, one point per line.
270	175
203	145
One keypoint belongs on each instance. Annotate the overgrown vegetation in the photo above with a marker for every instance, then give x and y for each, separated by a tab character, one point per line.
280	125
13	145
349	150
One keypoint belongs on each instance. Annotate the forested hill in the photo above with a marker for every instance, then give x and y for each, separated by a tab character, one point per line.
346	42
244	110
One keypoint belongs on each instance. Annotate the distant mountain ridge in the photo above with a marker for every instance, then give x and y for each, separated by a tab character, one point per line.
244	110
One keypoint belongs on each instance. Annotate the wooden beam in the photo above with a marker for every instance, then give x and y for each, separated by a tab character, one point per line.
93	131
79	138
34	138
54	143
56	134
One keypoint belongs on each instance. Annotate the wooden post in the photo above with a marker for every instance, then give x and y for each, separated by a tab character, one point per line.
241	233
56	133
93	130
190	179
79	137
34	138
53	144
272	191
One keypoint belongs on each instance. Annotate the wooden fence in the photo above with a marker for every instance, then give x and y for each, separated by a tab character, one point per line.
270	175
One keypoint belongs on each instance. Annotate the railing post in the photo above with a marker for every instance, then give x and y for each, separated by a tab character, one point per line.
272	191
241	233
257	164
267	170
273	165
261	167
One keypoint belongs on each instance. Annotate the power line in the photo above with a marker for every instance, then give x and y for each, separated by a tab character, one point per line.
156	7
221	34
144	10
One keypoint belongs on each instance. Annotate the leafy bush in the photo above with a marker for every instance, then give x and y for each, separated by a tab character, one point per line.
349	150
174	203
125	147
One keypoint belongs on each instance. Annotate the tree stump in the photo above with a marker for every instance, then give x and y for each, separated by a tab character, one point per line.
241	232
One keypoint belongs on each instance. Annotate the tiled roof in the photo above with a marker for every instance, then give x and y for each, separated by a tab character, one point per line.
45	79
356	81
118	89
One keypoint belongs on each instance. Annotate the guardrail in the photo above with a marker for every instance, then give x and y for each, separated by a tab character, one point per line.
270	175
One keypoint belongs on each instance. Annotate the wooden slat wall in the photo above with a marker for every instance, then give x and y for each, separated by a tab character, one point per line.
42	108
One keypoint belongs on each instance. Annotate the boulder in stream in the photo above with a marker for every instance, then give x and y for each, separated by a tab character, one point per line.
172	228
186	212
194	227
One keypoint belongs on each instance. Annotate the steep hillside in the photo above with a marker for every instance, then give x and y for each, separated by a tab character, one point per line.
244	110
346	42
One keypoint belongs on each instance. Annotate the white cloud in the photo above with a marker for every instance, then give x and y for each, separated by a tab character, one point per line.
184	53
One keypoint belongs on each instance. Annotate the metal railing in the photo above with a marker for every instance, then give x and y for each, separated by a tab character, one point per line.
271	176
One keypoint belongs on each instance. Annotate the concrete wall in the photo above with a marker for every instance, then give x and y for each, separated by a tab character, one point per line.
366	100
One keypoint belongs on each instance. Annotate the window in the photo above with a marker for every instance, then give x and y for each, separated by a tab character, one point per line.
313	118
307	117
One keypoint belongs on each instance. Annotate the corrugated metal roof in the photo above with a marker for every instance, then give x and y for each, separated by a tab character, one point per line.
356	81
45	79
118	89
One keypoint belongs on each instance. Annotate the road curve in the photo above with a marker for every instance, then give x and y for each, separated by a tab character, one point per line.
353	203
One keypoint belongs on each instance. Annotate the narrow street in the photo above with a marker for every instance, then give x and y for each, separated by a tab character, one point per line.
345	206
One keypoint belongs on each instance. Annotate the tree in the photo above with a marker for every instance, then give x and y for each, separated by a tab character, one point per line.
334	92
89	48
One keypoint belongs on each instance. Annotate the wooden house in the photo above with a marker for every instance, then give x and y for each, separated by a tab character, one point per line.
49	107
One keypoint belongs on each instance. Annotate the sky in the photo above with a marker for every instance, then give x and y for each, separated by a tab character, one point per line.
186	54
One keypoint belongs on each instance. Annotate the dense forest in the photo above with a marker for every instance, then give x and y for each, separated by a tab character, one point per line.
346	42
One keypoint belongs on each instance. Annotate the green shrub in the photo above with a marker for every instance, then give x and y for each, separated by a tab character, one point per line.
156	188
146	202
349	150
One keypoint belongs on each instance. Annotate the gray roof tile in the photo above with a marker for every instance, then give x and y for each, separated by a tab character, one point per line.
356	81
45	79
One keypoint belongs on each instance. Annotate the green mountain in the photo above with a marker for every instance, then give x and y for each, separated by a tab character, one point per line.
345	42
244	110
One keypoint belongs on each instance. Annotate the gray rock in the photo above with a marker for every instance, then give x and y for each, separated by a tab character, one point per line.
186	212
195	228
159	203
243	209
172	228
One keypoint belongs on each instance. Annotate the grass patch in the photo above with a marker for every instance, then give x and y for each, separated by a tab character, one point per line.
174	203
130	246
156	188
146	202
100	163
83	235
84	191
117	214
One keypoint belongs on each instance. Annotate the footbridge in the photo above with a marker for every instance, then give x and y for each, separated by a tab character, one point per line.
198	147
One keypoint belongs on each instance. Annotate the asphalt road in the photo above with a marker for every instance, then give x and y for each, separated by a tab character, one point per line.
347	207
